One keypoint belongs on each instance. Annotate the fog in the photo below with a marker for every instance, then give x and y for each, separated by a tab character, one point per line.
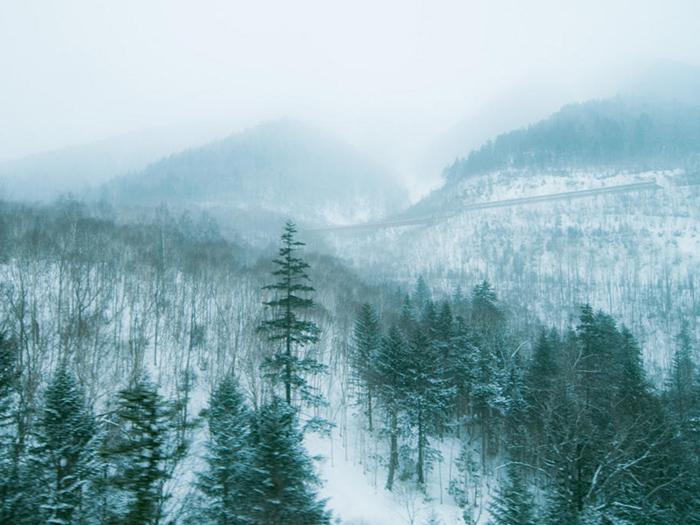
389	76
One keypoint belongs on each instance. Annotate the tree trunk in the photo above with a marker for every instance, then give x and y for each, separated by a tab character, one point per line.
394	453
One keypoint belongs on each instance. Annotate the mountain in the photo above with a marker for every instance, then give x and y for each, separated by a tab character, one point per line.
43	176
613	133
540	95
633	251
523	105
280	168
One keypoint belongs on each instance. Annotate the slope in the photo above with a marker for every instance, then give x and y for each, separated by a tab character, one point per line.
635	254
277	168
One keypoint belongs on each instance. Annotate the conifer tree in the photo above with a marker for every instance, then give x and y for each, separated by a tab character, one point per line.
421	294
287	326
426	394
65	455
141	455
683	383
390	363
366	339
286	494
232	477
14	487
513	504
443	324
486	313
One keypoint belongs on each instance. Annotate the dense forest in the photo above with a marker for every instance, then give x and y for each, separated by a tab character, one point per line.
155	372
614	133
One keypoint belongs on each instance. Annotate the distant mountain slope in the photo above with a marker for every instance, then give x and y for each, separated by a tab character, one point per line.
635	254
44	176
540	95
281	167
612	133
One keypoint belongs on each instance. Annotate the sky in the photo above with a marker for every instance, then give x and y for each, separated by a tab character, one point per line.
381	73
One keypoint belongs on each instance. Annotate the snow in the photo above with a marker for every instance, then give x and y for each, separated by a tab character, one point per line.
356	493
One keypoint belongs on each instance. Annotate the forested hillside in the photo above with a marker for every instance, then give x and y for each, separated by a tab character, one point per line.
277	169
527	363
150	375
602	134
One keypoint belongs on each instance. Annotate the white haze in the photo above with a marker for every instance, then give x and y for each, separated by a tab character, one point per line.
388	76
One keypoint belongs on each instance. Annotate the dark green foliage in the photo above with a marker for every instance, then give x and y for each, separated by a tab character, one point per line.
426	395
606	434
513	503
8	376
683	385
65	455
609	133
389	365
366	340
140	455
421	294
487	318
232	478
15	486
285	495
415	388
288	327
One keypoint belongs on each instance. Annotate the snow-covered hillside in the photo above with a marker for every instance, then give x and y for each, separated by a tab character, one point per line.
634	254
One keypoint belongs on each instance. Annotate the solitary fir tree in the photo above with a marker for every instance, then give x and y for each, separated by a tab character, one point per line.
287	325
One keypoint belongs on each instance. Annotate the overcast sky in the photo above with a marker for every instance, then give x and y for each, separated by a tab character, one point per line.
80	70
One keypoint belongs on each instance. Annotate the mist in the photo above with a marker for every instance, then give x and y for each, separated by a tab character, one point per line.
388	77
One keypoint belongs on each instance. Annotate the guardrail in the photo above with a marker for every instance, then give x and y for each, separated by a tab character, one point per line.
568	195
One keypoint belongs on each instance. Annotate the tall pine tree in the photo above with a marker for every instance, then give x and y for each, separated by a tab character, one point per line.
366	339
288	326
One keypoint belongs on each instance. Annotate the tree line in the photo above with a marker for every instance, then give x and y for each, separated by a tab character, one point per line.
614	133
569	424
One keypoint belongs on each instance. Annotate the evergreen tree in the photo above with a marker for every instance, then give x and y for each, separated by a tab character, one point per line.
513	504
683	383
486	313
633	387
443	324
425	394
15	494
421	294
141	455
8	381
544	368
286	494
366	340
287	326
65	450
541	380
232	477
390	363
